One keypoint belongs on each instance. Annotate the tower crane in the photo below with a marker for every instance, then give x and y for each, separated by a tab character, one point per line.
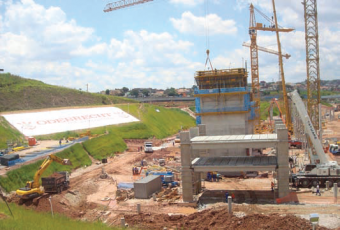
253	28
312	62
123	4
287	56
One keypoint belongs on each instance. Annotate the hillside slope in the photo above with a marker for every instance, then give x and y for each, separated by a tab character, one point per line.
19	93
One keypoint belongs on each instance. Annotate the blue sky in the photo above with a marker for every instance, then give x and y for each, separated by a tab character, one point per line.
158	44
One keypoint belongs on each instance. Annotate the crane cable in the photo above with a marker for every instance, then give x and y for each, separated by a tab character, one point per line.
207	41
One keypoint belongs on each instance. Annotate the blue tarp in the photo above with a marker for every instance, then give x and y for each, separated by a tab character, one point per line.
198	104
125	185
198	120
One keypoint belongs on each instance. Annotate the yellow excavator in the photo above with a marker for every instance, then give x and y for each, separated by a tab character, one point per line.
33	188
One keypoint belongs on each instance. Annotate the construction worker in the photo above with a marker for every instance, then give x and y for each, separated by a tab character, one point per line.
226	196
272	186
214	176
317	190
209	176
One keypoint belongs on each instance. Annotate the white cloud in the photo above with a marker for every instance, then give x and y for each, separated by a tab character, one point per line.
192	24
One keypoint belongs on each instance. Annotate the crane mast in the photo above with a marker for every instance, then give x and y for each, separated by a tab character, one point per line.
312	62
282	76
254	60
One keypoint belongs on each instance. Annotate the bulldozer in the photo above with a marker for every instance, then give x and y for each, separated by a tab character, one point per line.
33	188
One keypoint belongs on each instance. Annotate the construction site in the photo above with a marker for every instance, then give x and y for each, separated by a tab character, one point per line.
231	171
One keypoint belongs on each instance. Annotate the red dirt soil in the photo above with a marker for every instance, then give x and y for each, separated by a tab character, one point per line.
217	219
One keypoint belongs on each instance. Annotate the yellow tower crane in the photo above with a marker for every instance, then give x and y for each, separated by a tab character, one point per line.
312	63
253	28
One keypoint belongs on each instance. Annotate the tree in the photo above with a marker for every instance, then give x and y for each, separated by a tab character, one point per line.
194	87
134	92
170	92
146	92
125	89
107	92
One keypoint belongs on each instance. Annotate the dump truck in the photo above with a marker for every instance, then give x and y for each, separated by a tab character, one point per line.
56	183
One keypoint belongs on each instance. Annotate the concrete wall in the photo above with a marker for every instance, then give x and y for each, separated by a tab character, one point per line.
222	101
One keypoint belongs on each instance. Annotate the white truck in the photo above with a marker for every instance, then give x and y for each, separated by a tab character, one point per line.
148	147
321	169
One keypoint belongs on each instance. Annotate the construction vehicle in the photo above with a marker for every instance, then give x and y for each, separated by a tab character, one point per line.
148	147
161	162
56	183
33	188
167	178
295	144
320	169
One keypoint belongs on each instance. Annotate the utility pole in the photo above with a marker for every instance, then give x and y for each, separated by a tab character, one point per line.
87	87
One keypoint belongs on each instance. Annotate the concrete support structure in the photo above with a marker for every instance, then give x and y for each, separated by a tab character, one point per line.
194	132
223	104
282	156
187	171
212	162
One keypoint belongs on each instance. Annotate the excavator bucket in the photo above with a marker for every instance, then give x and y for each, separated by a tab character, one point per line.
67	162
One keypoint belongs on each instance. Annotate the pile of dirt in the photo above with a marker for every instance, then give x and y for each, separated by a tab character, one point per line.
217	219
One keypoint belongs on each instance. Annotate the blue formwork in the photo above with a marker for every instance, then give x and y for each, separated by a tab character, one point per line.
222	90
252	111
198	120
198	104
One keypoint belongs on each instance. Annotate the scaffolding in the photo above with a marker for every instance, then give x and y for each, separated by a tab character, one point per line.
224	78
219	86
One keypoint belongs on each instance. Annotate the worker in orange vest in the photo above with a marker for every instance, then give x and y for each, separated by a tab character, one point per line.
272	185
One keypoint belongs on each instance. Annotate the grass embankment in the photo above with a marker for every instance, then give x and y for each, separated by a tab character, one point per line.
264	106
19	93
17	178
104	146
7	133
28	219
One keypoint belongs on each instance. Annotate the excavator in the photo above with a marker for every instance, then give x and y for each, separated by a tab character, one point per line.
32	188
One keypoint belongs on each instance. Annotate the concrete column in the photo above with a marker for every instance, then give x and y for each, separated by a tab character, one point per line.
335	188
202	130
194	132
187	180
230	209
282	161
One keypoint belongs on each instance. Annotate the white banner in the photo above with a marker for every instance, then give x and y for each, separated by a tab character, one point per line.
40	123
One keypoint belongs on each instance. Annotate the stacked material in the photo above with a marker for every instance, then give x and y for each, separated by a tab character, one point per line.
5	160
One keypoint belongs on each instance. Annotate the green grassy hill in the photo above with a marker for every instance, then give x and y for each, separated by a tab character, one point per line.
19	93
29	219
